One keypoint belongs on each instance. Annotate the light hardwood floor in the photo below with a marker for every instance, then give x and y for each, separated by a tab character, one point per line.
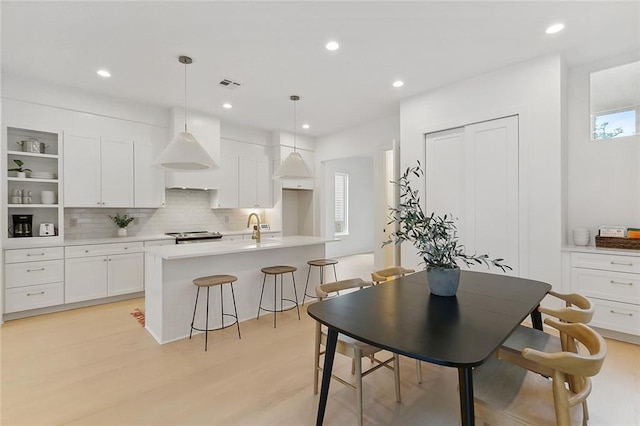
99	366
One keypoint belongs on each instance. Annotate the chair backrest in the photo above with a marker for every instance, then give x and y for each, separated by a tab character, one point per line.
578	309
324	290
571	367
389	273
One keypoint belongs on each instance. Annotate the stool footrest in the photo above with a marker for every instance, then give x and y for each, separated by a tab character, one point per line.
219	328
288	308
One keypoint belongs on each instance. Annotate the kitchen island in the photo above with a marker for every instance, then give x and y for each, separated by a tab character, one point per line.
170	270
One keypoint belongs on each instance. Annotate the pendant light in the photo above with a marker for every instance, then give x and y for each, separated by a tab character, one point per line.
184	153
293	167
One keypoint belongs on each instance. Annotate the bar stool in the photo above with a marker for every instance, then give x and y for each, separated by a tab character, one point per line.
275	271
208	282
321	263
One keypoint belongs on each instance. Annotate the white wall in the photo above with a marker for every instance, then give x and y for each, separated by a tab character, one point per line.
533	90
366	140
603	176
361	205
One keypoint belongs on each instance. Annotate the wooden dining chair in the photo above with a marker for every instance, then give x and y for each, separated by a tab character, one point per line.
578	309
498	384
389	273
352	348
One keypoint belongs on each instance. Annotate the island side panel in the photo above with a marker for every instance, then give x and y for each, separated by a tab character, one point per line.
153	295
178	292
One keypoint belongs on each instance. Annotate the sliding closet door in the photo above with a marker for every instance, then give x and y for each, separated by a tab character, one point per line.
472	172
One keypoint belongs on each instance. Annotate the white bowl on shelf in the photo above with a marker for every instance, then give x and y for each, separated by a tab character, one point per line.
48	197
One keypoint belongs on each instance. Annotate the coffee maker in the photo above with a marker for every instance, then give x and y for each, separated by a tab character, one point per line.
22	225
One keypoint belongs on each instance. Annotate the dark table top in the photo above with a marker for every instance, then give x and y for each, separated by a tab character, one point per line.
461	331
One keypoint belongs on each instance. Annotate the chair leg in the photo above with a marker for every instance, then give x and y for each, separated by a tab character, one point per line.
304	296
334	273
419	370
275	291
358	364
206	324
396	373
235	309
560	399
316	364
264	279
195	306
221	308
295	294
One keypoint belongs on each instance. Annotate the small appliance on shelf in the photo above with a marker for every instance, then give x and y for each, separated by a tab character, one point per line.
47	230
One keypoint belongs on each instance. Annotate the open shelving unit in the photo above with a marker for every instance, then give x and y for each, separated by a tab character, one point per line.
50	162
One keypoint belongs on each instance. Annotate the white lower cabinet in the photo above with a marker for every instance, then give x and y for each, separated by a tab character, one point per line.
612	283
34	278
103	270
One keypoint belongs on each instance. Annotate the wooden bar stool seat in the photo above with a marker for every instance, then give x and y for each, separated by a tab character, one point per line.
320	263
208	282
281	271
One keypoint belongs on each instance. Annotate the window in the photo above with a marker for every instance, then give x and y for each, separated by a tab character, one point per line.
341	203
614	124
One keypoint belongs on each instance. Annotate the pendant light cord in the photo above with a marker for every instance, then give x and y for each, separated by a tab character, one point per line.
185	97
294	98
295	128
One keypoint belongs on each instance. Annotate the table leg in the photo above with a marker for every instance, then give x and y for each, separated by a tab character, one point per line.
465	387
536	318
330	352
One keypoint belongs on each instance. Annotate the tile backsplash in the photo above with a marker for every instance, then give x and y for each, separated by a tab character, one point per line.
185	210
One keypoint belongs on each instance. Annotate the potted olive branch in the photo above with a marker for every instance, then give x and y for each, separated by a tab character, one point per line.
434	237
20	171
122	222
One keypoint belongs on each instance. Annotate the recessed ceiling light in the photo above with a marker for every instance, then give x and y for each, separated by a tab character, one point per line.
227	106
555	28
332	45
398	83
305	126
104	73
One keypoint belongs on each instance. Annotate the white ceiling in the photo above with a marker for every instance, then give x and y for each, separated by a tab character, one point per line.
276	49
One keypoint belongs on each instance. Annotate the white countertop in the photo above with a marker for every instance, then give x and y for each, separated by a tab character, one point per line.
26	243
601	250
183	251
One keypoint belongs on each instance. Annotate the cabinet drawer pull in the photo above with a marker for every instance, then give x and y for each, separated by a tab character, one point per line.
86	251
35	254
35	294
35	270
622	263
621	283
626	314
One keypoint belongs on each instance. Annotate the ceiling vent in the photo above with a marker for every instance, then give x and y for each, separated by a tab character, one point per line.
229	84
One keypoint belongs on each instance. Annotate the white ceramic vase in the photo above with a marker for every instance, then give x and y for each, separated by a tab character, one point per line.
122	232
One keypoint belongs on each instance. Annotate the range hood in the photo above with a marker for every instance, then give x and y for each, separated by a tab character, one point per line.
206	129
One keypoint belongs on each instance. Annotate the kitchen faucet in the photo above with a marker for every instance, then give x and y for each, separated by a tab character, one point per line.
256	228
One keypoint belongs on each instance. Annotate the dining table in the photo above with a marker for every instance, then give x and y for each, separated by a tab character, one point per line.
403	317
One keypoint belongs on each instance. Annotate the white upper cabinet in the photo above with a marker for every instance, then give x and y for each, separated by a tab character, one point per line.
148	180
117	172
81	171
226	196
307	156
98	172
254	183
